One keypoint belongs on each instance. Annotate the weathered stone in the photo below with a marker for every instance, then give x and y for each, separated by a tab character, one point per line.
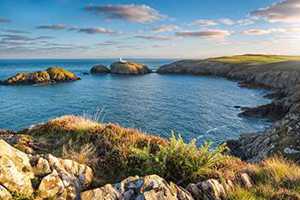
107	192
150	187
15	170
245	180
82	174
75	177
4	194
41	167
51	187
212	190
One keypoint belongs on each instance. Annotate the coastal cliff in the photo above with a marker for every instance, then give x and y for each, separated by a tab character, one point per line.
73	157
281	74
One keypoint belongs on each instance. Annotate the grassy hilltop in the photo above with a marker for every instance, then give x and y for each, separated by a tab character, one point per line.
255	58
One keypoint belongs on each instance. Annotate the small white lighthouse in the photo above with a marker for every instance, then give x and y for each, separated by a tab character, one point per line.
122	61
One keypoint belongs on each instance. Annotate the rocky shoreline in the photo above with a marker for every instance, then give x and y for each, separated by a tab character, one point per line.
72	157
283	78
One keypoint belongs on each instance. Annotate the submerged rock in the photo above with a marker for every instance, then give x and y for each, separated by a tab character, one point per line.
129	68
99	69
51	75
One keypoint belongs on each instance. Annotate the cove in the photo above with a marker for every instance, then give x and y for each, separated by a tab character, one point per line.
193	106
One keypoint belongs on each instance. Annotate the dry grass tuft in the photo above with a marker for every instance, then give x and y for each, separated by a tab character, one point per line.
85	154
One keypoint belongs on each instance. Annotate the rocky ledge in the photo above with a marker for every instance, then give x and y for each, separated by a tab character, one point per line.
129	68
51	75
73	158
281	74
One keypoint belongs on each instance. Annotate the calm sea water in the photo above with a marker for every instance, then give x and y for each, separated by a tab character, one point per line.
196	107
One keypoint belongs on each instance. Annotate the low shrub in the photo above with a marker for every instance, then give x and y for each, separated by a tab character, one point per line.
178	161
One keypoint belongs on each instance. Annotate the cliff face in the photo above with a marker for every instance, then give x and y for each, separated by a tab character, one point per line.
281	77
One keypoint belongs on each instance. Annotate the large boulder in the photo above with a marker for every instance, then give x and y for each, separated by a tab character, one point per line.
99	69
51	75
129	68
67	179
150	187
15	170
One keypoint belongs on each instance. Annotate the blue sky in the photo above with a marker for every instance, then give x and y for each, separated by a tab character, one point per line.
149	29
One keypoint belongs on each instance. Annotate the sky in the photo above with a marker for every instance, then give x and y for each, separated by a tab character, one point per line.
147	28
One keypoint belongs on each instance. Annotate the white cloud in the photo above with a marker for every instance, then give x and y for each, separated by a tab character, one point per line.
287	11
205	22
227	21
128	12
165	28
287	30
53	27
96	31
213	33
154	37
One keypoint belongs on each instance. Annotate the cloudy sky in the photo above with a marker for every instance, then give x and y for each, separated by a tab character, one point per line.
147	28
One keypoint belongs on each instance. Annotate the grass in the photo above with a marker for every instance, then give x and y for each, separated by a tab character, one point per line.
59	74
115	153
255	58
274	178
85	154
178	161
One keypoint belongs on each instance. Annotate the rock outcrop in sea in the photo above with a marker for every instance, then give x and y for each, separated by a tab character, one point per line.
51	75
99	69
129	68
273	72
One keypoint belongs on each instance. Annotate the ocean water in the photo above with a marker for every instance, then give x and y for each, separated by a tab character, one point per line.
192	106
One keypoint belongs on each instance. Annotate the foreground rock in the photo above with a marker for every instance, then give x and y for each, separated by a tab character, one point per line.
51	75
136	188
40	177
129	68
99	69
282	77
15	170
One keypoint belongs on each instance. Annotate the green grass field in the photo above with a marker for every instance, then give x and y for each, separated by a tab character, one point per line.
255	58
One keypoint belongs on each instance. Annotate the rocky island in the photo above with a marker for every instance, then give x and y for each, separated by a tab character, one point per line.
75	157
129	68
281	74
51	75
99	69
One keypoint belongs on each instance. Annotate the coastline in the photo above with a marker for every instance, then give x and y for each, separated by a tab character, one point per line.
282	79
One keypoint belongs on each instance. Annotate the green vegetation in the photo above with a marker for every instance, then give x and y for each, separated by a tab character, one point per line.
59	74
275	178
178	162
255	58
116	153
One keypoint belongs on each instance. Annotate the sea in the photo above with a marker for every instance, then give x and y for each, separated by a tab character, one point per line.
204	108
